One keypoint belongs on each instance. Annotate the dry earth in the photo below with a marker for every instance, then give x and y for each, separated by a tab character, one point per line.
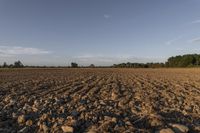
100	100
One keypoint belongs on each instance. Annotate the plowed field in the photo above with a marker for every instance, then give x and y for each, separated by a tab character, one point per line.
99	100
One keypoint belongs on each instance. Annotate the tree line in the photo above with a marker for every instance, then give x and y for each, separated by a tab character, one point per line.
19	64
16	64
139	65
188	60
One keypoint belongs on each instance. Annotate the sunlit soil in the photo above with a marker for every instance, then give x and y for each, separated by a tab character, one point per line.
99	100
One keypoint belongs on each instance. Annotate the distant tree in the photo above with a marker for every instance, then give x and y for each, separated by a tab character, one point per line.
18	64
92	66
5	65
11	66
128	64
74	65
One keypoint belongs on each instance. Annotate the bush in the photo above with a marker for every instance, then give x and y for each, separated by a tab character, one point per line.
18	64
74	65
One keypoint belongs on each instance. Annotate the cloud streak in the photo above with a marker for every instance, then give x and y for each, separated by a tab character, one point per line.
109	60
195	40
186	51
6	51
195	21
106	16
170	42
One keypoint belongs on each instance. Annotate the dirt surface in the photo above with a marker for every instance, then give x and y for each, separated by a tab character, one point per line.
100	100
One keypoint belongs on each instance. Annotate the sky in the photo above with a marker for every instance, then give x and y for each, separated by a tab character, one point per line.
100	32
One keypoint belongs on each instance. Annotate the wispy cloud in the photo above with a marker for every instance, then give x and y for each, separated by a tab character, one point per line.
109	60
6	51
195	40
106	16
195	21
170	42
186	51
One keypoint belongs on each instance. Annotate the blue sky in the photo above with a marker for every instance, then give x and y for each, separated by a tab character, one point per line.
102	32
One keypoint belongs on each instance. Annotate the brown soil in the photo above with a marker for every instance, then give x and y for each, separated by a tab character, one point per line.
99	100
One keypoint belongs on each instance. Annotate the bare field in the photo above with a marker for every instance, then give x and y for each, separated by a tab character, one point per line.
99	100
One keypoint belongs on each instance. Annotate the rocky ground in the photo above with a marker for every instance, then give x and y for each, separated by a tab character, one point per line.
100	100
